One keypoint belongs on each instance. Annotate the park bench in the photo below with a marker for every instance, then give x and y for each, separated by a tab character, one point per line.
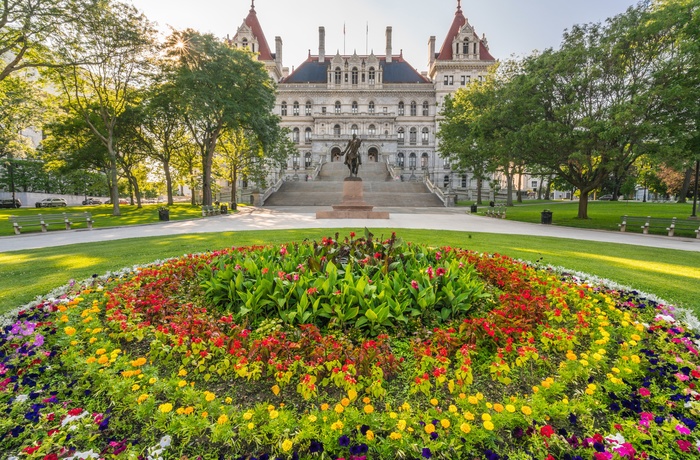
44	220
671	225
209	210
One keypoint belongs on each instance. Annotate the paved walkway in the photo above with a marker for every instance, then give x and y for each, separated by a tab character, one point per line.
251	218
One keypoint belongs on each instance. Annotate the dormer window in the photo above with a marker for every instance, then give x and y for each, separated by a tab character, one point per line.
338	75
354	75
465	46
244	43
371	75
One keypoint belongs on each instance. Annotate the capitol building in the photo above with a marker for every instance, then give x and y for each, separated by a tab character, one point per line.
381	98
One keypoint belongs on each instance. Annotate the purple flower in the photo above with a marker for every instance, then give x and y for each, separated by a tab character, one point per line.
433	435
315	447
343	441
426	453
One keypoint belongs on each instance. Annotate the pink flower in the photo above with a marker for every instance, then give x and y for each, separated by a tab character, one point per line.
682	429
626	450
283	251
684	445
440	271
414	284
682	377
644	392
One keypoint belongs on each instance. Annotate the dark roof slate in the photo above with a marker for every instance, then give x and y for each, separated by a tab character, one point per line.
396	71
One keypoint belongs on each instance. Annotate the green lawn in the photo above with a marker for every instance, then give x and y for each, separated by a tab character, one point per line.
670	274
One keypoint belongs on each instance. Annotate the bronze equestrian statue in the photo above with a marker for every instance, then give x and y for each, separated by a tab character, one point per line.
352	155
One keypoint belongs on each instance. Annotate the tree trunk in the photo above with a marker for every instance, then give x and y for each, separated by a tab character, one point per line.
137	191
683	195
520	187
207	162
479	187
168	182
234	178
114	192
509	187
583	205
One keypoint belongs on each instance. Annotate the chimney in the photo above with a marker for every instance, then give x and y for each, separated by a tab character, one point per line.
388	44
321	44
431	50
278	51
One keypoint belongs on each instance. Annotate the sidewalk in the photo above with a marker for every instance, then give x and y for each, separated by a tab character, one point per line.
251	218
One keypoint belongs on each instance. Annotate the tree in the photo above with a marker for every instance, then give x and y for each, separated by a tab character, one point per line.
21	107
104	59
221	89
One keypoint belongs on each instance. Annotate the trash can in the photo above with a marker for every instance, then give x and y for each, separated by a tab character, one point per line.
164	215
546	217
223	209
474	208
233	206
492	204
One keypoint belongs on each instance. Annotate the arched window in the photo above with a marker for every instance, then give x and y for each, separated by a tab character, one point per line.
295	161
371	130
336	130
283	109
401	136
465	46
307	160
244	43
426	108
400	160
412	136
295	109
354	75
424	161
401	109
307	110
424	136
412	161
464	181
354	106
307	135
338	75
353	129
337	107
414	109
295	135
371	107
371	75
446	181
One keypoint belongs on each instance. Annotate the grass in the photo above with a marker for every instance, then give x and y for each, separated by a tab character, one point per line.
670	274
102	214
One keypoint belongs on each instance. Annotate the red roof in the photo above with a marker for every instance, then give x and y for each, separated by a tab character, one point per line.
263	48
459	21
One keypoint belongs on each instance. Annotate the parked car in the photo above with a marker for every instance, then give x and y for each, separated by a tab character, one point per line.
10	203
51	203
90	201
121	201
605	197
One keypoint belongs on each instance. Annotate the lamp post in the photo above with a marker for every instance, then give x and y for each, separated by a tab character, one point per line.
695	192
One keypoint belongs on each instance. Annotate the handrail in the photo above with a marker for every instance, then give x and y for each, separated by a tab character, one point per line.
317	170
393	174
272	189
435	189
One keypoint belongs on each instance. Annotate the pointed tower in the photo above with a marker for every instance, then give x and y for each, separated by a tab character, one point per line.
463	57
250	36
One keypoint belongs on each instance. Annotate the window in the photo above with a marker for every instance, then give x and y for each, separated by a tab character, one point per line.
337	107
372	130
323	110
426	108
401	136
354	106
338	73
413	134
371	107
464	181
336	130
465	46
425	136
295	135
283	109
385	109
400	160
465	79
534	184
295	109
424	161
371	75
353	129
412	161
295	161
307	160
414	108
354	75
244	43
401	109
307	110
474	47
307	135
446	181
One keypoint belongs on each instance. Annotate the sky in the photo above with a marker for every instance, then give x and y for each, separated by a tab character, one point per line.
512	27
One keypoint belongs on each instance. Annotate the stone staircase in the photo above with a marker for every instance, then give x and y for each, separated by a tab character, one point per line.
379	189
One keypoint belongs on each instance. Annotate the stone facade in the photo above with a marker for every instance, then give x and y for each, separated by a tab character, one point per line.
383	99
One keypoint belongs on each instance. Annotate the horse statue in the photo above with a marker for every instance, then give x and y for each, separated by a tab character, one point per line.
352	155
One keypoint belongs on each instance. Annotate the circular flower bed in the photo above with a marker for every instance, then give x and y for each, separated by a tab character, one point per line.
353	349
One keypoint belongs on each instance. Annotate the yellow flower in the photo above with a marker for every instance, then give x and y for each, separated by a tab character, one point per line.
276	391
366	400
274	414
100	351
188	410
401	425
466	428
337	426
135	387
345	402
205	414
453	409
445	423
223	418
69	330
324	407
635	337
180	410
406	407
369	435
393	415
488	425
138	362
251	425
635	359
247	416
434	402
395	436
228	400
485	417
103	360
209	396
152	380
479	396
287	445
182	373
165	408
535	389
142	398
591	389
64	318
498	407
352	394
339	408
462	396
90	360
571	356
473	400
312	418
93	340
368	409
526	410
181	383
429	428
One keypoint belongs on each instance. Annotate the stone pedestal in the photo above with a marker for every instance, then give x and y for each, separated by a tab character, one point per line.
353	205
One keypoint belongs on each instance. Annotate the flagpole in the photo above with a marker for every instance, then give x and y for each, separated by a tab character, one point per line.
367	39
344	39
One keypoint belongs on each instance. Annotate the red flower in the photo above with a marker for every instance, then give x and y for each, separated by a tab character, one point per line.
76	411
352	234
547	431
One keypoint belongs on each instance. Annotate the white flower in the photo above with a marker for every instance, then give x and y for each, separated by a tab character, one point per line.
21	398
84	455
617	439
165	441
72	418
